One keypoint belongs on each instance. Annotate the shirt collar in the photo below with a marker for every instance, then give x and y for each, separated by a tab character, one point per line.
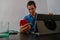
32	16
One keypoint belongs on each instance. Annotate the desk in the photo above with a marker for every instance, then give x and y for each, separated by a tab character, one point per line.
33	37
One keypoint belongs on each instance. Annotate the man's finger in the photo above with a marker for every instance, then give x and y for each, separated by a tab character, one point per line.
24	28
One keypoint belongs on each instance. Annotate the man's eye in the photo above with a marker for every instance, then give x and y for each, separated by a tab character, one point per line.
29	9
32	8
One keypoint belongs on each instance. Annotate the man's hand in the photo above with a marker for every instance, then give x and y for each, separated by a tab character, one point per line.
25	28
50	14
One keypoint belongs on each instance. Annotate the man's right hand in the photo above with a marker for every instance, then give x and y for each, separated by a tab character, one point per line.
25	28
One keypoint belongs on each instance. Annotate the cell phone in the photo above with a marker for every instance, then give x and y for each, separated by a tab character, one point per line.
23	22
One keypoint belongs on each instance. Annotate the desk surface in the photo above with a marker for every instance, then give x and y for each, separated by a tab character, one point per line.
32	37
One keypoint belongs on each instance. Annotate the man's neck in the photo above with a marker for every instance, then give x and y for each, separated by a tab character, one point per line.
34	15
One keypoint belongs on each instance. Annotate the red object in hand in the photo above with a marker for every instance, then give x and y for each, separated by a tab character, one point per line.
23	22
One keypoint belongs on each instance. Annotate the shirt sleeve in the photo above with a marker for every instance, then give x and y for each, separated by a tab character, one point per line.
25	18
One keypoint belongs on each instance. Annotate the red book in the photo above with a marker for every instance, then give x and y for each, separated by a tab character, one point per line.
23	22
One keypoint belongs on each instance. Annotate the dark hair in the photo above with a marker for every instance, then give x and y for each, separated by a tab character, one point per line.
31	3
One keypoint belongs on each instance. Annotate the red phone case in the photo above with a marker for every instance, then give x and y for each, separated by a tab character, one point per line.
23	22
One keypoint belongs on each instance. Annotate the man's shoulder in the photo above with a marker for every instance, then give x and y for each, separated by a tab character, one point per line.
27	16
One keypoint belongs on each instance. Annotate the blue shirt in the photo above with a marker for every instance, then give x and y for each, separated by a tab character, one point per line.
32	21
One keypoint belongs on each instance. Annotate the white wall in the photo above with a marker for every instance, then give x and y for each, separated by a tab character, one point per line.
12	11
42	6
54	6
46	6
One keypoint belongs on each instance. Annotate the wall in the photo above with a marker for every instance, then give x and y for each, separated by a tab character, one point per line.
46	6
42	6
53	5
12	11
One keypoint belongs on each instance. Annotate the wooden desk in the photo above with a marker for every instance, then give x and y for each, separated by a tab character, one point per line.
32	37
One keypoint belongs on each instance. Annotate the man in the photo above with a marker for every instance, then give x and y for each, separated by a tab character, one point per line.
31	6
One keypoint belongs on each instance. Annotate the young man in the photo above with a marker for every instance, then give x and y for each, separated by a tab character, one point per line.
32	17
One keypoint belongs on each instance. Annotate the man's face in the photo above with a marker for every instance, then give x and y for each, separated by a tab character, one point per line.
31	9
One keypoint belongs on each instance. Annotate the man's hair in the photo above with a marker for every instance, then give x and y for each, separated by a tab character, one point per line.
31	3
